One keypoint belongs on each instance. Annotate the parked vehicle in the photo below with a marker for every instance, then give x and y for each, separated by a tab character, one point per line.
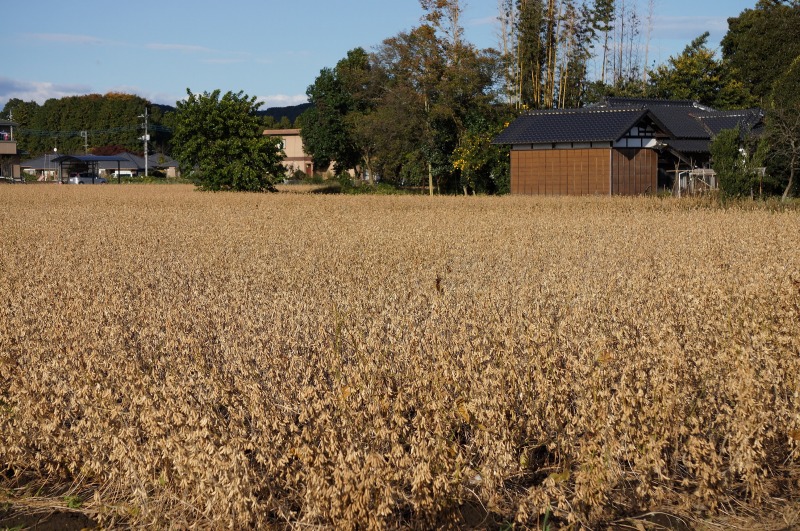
86	178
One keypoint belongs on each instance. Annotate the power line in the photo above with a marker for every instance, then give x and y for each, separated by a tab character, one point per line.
82	132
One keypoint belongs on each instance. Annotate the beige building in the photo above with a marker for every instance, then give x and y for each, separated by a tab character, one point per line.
296	157
9	158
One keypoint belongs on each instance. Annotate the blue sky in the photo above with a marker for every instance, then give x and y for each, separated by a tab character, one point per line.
269	49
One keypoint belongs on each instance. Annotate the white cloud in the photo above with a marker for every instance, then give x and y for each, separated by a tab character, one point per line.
224	61
681	27
186	48
41	91
38	91
66	38
484	21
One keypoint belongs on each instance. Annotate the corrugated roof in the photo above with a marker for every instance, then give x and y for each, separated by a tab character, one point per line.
571	125
88	158
123	161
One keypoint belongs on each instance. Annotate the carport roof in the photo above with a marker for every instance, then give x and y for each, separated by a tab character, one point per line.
89	158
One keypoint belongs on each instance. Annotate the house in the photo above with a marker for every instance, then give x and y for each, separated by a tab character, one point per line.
124	163
135	165
622	146
296	159
9	156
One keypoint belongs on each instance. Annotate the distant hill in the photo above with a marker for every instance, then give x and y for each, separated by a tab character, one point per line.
291	112
164	108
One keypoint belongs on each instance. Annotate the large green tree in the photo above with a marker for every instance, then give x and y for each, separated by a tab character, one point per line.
414	64
783	126
363	83
222	140
696	74
761	43
338	97
484	167
431	86
323	127
731	164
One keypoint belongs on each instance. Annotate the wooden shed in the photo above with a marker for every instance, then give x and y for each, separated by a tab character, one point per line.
585	152
622	146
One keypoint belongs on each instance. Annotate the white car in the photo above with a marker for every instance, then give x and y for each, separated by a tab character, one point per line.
86	178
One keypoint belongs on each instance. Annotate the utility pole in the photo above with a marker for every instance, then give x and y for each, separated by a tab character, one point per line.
85	135
146	137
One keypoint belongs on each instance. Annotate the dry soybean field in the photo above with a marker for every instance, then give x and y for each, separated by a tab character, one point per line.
173	358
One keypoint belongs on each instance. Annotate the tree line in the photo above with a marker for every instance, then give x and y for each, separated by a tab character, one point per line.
100	124
107	124
422	107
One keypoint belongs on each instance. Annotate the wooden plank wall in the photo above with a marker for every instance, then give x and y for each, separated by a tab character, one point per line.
560	172
584	171
634	171
599	171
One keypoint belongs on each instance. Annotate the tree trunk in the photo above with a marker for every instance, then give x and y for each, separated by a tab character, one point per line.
792	165
553	27
650	15
368	164
620	67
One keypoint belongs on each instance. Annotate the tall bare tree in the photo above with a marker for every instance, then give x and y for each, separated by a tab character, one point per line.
445	17
651	10
507	20
604	15
551	41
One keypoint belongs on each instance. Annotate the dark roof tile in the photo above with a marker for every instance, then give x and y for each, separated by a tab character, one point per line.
716	121
571	125
689	125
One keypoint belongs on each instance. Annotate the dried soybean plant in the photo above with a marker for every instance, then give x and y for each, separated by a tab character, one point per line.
219	360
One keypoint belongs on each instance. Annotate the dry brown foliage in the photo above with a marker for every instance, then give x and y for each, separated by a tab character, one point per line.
177	358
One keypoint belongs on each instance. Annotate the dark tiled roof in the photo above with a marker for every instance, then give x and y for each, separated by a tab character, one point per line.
689	125
688	119
681	121
646	102
571	125
716	121
678	115
692	145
